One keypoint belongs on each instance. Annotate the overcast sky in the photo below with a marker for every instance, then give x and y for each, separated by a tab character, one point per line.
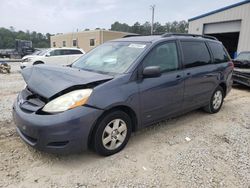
60	16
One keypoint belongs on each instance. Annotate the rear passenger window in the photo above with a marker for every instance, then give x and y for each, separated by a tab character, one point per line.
219	53
75	52
195	54
165	56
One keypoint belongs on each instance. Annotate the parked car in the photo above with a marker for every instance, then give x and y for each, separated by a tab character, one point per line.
241	72
54	56
118	88
36	53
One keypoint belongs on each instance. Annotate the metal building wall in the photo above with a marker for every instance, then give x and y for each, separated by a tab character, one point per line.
241	12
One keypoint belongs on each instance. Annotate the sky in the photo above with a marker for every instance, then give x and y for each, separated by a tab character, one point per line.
62	16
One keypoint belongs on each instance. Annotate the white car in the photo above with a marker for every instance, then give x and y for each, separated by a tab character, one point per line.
53	56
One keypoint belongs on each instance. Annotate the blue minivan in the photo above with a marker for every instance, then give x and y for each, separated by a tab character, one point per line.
118	88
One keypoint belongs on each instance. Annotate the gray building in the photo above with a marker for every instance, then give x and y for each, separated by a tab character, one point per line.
231	25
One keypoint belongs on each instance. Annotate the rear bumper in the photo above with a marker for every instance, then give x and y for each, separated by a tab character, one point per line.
62	133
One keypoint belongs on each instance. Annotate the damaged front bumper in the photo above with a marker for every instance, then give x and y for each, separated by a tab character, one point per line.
62	133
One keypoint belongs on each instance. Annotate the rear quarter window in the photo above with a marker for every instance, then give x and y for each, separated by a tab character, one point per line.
75	52
219	52
72	52
195	54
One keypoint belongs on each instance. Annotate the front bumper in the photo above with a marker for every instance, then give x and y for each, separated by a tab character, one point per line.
62	133
242	76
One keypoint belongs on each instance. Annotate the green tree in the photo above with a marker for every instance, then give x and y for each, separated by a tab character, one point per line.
8	37
145	29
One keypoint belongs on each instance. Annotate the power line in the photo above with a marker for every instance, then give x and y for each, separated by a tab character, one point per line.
152	7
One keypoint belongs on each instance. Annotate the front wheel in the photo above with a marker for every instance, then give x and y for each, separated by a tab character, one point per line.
112	133
216	101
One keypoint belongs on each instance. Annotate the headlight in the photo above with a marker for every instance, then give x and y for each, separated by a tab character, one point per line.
68	101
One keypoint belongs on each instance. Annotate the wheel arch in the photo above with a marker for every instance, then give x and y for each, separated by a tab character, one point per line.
38	62
224	87
128	110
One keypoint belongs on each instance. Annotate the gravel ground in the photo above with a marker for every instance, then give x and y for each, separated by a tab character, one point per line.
216	155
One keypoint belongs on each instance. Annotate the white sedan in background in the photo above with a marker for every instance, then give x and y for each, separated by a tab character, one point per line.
53	56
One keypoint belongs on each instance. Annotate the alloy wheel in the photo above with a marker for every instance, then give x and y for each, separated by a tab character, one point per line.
114	134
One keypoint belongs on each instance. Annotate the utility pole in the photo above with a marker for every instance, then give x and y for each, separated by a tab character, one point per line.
153	16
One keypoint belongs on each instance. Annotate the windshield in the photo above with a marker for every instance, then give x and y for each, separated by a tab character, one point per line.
112	57
36	52
244	56
43	52
40	52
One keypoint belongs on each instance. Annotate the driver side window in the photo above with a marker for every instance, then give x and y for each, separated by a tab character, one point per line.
165	56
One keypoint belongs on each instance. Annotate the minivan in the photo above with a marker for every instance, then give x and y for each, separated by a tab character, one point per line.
52	56
118	88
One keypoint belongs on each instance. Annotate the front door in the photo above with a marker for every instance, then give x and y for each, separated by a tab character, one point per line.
161	96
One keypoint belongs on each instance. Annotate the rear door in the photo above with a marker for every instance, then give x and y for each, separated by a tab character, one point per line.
161	96
223	63
200	73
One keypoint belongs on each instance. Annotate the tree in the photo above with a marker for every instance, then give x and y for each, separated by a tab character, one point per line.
117	26
144	29
8	37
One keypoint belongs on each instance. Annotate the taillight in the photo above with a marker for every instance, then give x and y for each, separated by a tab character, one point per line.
231	64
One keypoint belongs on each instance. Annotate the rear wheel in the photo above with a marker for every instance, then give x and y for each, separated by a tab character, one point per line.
216	101
112	133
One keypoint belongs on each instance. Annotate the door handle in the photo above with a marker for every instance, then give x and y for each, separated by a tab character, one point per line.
178	76
188	74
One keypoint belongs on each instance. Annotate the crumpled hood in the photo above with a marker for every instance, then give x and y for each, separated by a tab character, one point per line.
47	81
241	63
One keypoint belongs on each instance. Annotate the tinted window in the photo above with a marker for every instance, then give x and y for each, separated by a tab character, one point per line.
165	56
219	53
71	52
56	52
195	54
75	52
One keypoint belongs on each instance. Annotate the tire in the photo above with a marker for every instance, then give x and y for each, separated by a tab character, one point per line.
107	139
216	101
38	62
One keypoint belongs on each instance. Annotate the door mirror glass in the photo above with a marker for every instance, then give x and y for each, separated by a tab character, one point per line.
151	72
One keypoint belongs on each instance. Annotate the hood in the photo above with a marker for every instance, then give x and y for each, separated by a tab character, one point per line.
47	81
29	56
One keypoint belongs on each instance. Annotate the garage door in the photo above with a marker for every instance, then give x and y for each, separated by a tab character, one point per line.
222	27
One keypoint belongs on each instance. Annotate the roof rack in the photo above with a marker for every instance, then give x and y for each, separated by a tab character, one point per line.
189	35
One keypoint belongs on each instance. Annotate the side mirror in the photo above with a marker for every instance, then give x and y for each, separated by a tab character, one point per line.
47	55
151	72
